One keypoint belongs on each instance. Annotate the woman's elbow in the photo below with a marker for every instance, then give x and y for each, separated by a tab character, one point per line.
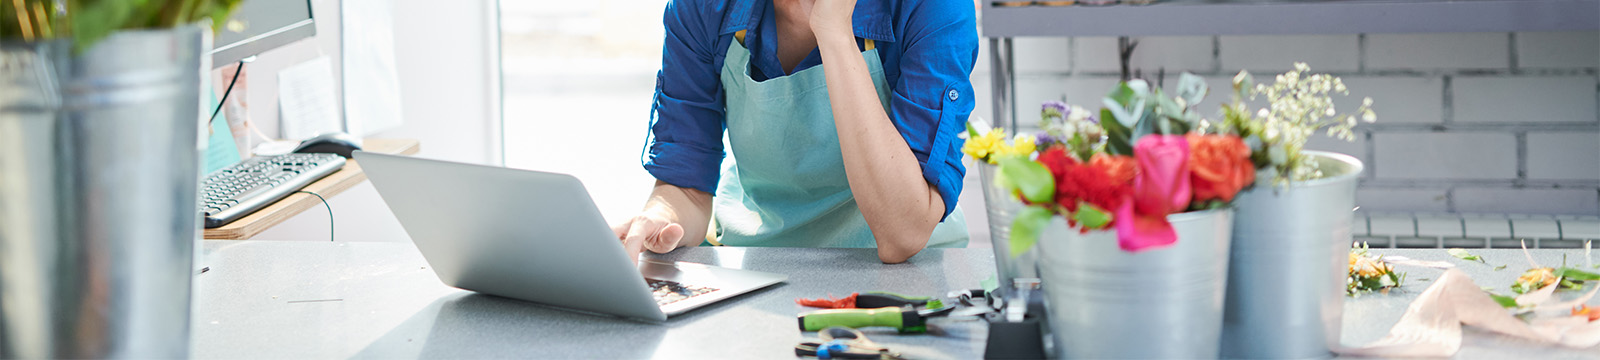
898	250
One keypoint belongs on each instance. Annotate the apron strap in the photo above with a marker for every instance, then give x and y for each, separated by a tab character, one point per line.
869	44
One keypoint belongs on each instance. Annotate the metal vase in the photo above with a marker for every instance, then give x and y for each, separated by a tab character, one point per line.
1106	303
99	168
1001	208
1290	257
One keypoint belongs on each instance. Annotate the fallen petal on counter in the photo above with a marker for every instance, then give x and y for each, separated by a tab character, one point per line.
1431	325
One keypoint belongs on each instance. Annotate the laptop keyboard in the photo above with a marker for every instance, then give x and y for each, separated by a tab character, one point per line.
667	292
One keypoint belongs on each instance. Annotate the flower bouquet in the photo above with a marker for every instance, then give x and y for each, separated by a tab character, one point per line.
1290	262
1129	209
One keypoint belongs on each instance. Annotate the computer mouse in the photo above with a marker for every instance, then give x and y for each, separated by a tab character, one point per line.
331	143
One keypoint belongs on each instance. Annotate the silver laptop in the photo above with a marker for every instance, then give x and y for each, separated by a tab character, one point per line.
537	236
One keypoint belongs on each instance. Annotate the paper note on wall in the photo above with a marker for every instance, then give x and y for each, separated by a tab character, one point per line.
307	102
371	83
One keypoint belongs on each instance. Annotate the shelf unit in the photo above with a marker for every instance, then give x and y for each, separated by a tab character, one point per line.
1291	17
1263	17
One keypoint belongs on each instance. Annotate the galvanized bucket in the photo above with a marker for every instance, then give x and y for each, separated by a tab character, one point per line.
1290	257
99	165
1105	303
1002	207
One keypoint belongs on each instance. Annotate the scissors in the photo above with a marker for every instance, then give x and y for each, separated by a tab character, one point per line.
844	343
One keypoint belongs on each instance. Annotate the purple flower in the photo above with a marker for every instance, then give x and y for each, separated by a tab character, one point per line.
1060	107
1044	140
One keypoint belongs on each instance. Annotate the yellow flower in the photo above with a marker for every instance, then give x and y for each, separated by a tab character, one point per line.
984	146
1022	146
1538	278
1366	266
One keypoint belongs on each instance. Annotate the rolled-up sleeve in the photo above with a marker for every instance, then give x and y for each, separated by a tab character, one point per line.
685	143
933	96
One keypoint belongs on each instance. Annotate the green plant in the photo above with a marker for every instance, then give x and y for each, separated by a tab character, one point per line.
88	21
1135	109
1298	105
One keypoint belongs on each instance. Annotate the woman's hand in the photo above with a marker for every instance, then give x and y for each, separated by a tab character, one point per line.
831	18
648	230
670	214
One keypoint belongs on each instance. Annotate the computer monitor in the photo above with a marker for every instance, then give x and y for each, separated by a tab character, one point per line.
259	25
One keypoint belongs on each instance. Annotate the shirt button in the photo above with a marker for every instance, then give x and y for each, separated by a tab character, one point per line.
954	95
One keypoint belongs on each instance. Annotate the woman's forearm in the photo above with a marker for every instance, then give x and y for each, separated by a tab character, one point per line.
690	208
900	207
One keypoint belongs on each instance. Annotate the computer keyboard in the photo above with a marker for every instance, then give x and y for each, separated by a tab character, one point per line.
232	193
668	291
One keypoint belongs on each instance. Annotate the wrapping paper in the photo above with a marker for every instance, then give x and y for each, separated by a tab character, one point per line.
1431	325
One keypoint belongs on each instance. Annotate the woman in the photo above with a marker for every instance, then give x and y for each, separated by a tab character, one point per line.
841	117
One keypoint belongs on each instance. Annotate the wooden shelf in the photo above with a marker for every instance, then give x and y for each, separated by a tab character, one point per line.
333	184
1290	17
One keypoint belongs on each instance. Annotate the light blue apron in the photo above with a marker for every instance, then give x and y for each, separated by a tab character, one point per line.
785	184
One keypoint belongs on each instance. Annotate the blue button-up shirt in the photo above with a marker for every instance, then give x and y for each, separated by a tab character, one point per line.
928	48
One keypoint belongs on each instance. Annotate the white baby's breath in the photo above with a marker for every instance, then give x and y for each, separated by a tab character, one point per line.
1298	105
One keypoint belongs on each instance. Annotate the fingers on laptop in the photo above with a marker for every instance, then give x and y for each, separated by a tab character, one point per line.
645	232
666	239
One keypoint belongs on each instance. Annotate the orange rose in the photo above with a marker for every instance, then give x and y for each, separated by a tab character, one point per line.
1118	166
1219	166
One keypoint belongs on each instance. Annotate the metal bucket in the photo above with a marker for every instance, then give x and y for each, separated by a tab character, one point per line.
1105	303
99	166
1290	257
1001	208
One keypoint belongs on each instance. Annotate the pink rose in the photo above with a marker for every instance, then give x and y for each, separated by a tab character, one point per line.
1161	187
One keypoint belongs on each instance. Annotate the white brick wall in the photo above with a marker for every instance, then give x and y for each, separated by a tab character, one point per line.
1558	49
1274	53
1438	51
1042	55
1480	122
1397	100
1527	201
1445	156
1175	53
1563	156
1357	148
1517	99
1419	200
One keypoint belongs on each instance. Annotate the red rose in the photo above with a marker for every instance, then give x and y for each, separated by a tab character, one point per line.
1219	166
1056	159
1104	181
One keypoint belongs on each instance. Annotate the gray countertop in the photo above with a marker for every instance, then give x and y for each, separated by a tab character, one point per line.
267	299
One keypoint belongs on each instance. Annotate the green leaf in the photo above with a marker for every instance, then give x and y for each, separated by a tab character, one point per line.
1030	178
1080	146
971	132
1192	88
1576	275
1090	216
1504	301
1498	268
94	20
1243	84
1026	227
1123	93
1128	103
1463	255
1118	140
